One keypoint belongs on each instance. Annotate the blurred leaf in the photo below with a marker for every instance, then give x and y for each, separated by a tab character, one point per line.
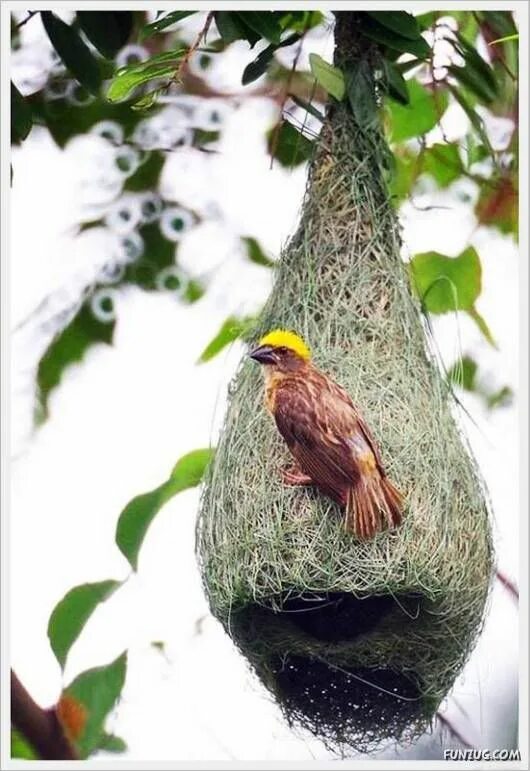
65	120
446	284
76	56
442	162
301	21
231	28
398	21
479	67
265	23
147	175
474	118
158	253
381	34
289	146
396	83
256	254
329	77
70	615
473	80
231	329
463	373
161	23
498	206
360	90
136	517
21	748
68	347
426	20
112	743
305	105
97	690
405	173
129	78
21	116
501	398
108	31
420	115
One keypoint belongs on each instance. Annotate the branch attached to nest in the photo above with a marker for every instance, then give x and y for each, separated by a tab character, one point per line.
41	727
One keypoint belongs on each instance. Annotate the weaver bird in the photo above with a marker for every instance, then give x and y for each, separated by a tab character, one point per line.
329	440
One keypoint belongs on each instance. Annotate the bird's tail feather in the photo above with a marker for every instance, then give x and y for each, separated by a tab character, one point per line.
372	504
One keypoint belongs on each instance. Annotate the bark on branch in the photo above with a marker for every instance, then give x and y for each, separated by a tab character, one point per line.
40	727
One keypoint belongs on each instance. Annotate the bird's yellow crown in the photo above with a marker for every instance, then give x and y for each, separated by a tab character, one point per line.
282	338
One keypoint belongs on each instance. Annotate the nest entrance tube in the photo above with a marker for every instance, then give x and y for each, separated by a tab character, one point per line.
357	641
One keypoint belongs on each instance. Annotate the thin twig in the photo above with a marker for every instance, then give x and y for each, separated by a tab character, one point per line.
30	15
40	727
508	584
276	133
446	723
202	34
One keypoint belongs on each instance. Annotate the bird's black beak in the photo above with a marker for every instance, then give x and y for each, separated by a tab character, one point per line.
264	354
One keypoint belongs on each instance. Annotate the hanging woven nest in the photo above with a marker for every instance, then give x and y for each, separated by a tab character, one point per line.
358	641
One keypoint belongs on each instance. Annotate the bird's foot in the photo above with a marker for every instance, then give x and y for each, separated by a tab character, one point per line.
294	476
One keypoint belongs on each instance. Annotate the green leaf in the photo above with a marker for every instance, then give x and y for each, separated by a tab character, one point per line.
76	56
97	690
477	73
21	116
398	21
256	254
469	77
360	90
503	397
108	31
129	78
161	24
21	748
147	175
71	614
112	743
289	146
136	517
446	284
265	23
387	37
480	321
420	115
258	67
68	347
395	83
231	329
328	76
442	162
231	28
463	373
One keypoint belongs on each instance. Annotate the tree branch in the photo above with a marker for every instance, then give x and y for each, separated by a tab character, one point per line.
41	727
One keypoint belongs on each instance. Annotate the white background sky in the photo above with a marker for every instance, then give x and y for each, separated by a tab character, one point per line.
122	417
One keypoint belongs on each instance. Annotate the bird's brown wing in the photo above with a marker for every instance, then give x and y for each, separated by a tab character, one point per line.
361	424
322	431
